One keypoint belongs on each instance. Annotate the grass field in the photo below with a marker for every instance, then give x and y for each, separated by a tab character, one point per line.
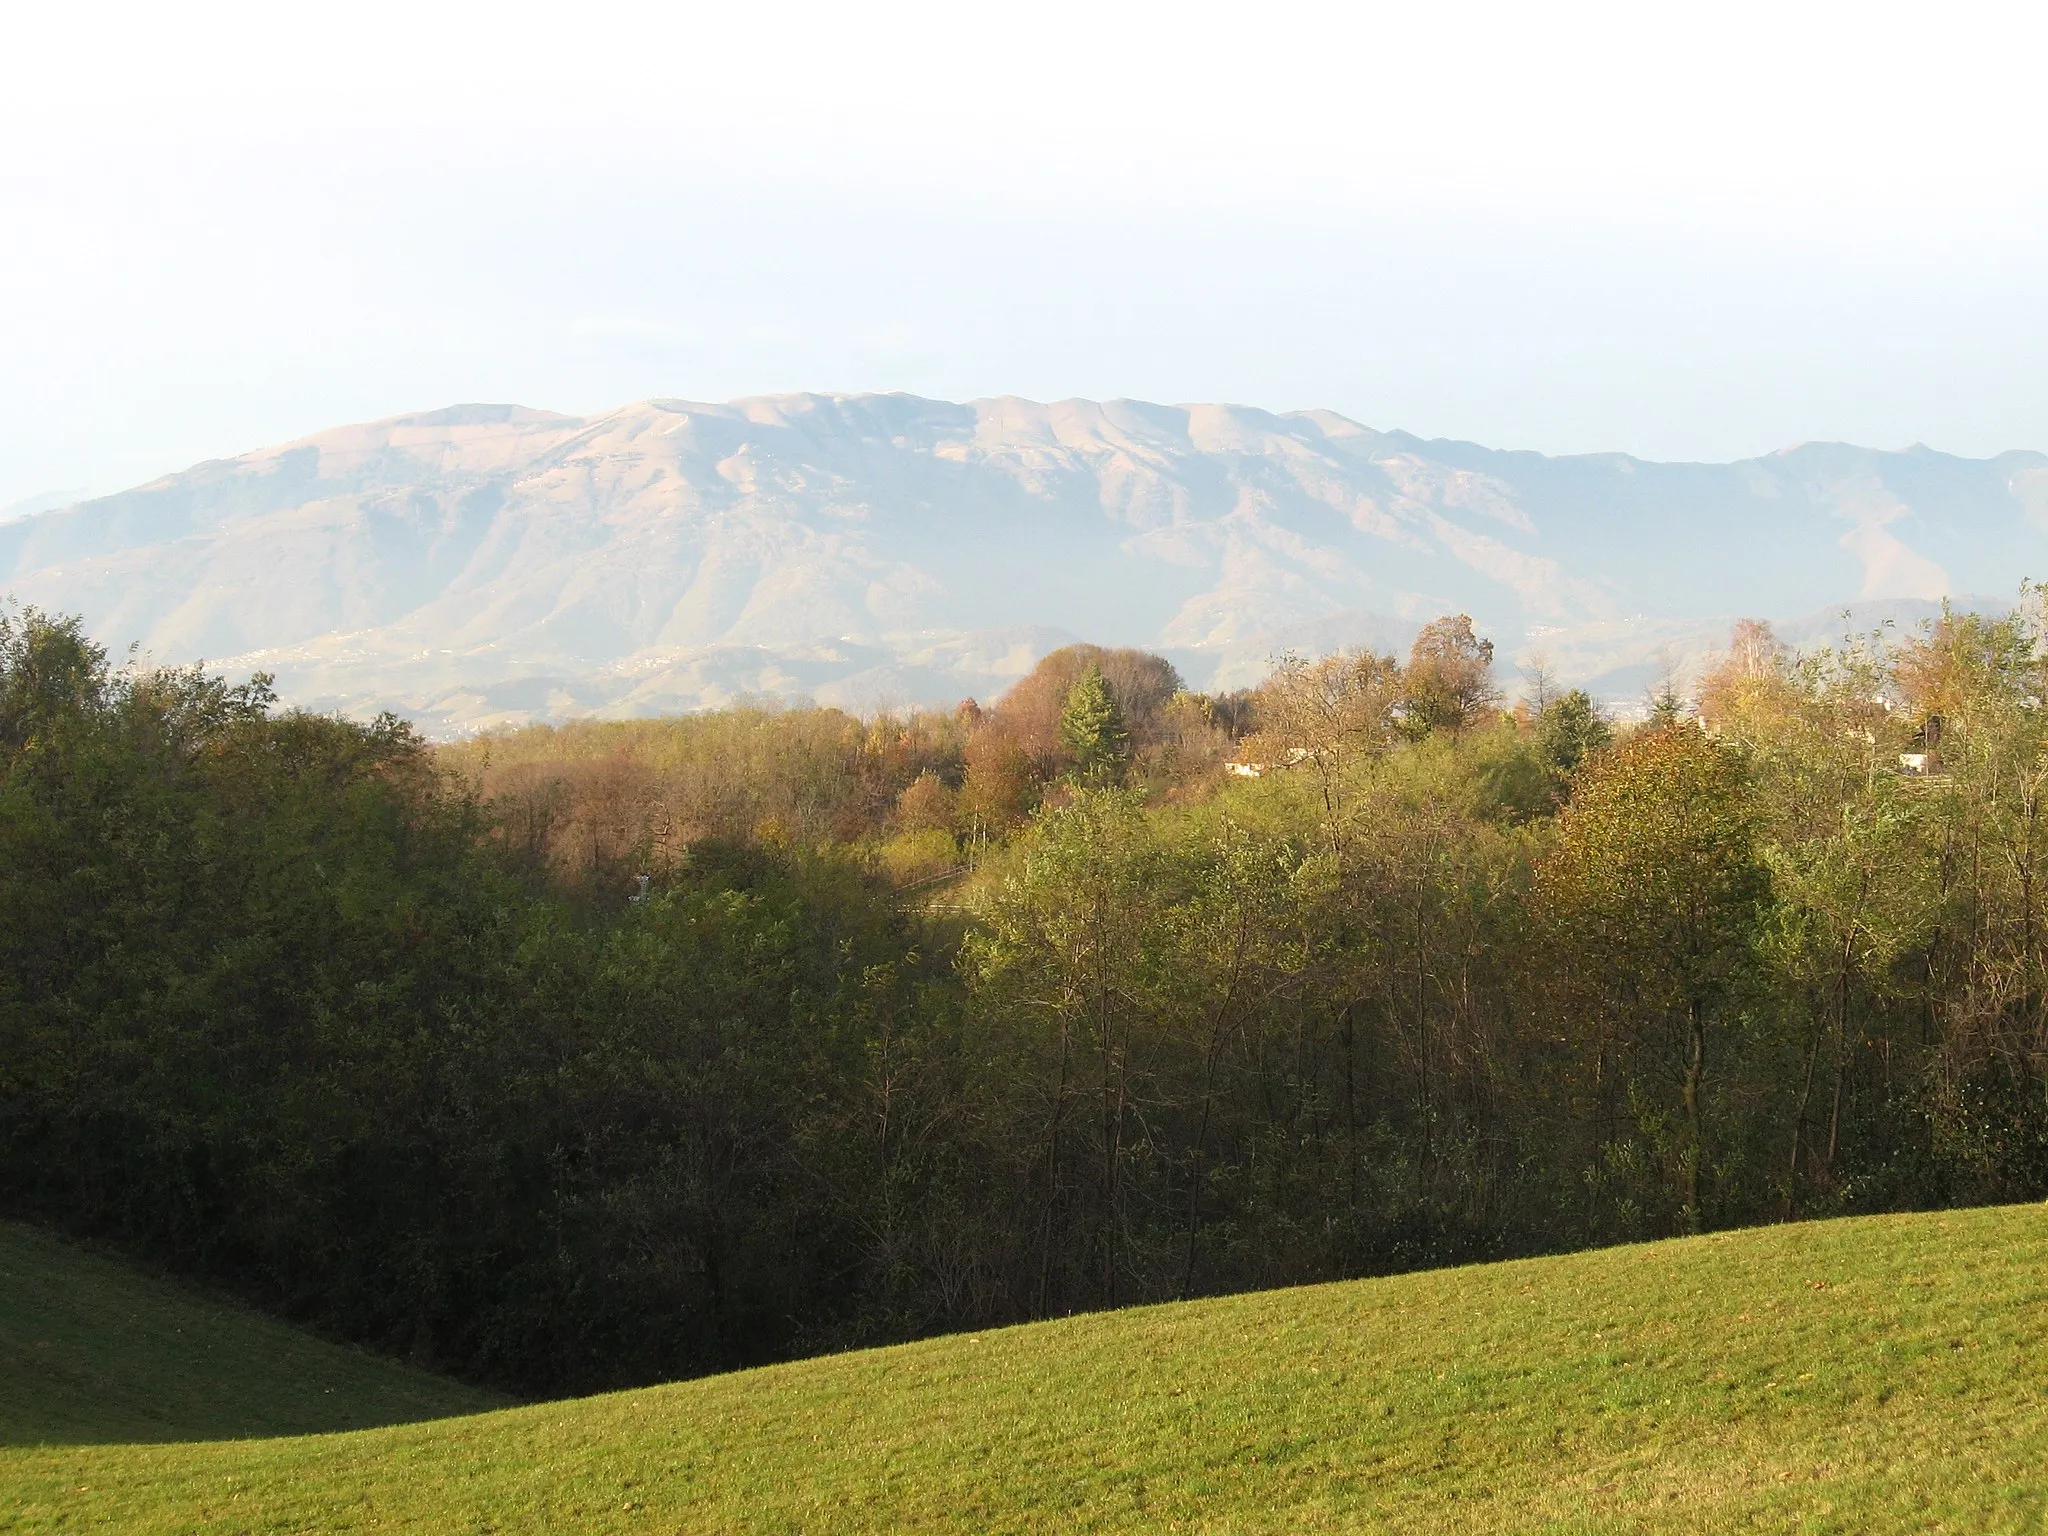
91	1351
1889	1373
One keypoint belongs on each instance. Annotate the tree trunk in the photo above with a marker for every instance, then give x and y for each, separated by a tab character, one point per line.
1053	1141
1695	1075
1799	1121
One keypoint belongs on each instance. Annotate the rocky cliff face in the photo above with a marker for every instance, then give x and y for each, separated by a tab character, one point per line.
492	563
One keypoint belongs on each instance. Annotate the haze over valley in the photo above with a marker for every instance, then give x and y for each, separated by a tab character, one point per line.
488	564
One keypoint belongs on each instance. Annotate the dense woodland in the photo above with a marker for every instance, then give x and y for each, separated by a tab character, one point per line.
578	1057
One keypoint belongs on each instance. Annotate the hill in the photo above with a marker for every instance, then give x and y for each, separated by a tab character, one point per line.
91	1351
1873	1374
485	564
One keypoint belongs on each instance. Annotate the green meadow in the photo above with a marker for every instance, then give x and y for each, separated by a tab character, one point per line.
93	1352
1880	1373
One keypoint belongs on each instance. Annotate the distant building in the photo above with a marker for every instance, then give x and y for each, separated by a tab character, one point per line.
1256	769
1923	759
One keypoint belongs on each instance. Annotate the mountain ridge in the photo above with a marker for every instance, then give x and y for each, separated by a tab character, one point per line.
488	563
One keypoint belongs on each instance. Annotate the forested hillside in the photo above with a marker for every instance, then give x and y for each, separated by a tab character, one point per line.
606	1053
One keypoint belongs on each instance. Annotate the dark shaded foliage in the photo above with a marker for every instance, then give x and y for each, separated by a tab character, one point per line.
277	1013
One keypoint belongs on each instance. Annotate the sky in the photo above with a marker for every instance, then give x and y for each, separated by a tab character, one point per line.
1679	231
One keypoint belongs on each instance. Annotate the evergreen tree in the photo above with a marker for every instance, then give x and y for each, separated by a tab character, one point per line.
1569	730
1092	728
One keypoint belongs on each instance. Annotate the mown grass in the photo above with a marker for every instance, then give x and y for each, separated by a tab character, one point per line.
91	1351
1889	1373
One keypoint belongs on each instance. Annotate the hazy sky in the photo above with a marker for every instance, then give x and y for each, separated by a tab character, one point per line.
1697	232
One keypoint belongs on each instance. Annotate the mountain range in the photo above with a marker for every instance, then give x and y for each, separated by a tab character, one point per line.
491	564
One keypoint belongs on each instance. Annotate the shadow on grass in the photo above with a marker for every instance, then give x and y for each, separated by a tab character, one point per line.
94	1352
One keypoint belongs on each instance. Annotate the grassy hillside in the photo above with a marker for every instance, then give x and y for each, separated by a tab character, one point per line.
92	1352
1880	1374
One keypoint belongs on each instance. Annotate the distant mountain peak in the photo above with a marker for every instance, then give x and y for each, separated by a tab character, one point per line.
494	562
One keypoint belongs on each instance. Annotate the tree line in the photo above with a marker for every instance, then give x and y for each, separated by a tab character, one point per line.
592	1055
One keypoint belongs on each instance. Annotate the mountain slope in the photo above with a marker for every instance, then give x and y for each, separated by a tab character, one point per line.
1880	1374
490	563
93	1352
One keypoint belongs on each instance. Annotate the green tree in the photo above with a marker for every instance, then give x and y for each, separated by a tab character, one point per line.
1570	730
1655	893
1092	729
1069	961
50	672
